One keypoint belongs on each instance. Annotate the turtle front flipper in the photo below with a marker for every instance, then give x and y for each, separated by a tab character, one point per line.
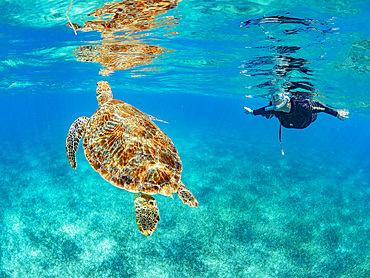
147	213
186	196
74	136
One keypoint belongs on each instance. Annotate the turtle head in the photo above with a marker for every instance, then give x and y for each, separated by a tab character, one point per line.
103	92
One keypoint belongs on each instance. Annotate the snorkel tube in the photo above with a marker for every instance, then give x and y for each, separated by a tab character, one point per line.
284	98
276	98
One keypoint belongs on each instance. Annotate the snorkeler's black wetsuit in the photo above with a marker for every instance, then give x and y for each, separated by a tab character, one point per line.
303	112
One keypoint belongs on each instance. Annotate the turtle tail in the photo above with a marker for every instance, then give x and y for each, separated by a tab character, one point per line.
74	136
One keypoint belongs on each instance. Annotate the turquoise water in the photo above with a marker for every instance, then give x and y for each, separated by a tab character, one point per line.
260	214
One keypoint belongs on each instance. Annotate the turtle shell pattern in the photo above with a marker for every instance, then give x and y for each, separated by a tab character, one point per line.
130	151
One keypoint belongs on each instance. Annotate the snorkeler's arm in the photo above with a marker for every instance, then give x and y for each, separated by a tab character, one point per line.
340	113
318	107
262	112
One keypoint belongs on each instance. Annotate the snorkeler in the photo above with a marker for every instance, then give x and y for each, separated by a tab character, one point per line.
294	112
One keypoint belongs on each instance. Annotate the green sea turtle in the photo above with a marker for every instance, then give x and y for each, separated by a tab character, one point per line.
128	150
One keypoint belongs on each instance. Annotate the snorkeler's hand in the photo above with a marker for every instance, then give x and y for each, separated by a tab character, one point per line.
342	114
248	110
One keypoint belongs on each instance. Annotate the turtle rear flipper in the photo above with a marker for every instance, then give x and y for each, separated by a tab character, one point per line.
186	196
74	136
147	213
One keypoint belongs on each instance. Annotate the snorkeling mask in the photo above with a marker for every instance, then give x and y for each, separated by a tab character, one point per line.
285	97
